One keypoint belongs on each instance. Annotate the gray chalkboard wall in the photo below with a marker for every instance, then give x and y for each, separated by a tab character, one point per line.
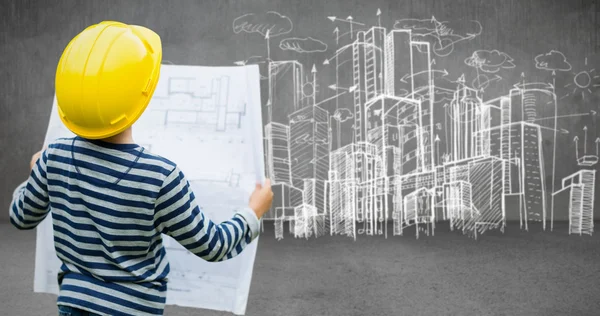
389	109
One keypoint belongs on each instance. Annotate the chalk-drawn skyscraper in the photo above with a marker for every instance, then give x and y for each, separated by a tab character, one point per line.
285	90
536	103
374	40
527	172
285	80
359	95
342	200
309	152
345	81
465	122
277	151
578	191
382	113
398	63
409	122
368	72
423	91
285	96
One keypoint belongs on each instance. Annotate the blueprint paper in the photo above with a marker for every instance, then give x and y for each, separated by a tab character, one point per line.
208	121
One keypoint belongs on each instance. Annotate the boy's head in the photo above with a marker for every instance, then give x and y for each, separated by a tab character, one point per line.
106	77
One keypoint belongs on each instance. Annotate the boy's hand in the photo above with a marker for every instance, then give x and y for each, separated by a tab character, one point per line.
261	198
35	158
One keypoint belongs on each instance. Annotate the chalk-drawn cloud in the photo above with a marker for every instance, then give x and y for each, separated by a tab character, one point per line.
303	45
490	61
425	25
270	22
342	115
553	61
442	34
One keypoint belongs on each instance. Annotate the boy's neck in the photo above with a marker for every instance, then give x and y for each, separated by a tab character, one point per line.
125	137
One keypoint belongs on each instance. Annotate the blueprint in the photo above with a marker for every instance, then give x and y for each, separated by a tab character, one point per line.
208	121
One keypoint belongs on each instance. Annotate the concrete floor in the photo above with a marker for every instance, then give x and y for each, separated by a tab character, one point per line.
518	273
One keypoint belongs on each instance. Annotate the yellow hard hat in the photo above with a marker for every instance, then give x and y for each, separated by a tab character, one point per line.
106	77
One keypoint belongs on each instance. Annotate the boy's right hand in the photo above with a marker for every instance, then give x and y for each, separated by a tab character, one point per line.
35	158
261	198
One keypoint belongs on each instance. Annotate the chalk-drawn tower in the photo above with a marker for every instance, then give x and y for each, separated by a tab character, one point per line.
527	172
309	152
398	63
465	115
536	103
285	90
277	151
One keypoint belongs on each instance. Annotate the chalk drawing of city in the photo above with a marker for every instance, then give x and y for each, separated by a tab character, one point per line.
397	139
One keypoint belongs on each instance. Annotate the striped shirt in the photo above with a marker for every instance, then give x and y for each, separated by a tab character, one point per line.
110	203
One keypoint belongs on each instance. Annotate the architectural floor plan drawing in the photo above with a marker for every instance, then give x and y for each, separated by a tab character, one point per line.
208	121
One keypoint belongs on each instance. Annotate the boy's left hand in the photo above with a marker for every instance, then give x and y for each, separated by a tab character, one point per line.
35	158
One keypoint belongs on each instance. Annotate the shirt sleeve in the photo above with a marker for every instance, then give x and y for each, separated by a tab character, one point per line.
30	203
178	215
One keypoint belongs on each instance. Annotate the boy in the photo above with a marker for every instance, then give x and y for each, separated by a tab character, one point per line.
111	199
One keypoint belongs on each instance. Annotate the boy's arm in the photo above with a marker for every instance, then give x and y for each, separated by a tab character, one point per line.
30	203
177	214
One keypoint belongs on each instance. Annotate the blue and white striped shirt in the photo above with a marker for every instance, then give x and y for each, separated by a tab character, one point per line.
110	203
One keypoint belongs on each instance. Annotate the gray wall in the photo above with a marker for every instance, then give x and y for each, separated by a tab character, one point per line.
33	34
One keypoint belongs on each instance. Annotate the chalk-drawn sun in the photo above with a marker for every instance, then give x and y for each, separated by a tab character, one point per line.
308	90
584	81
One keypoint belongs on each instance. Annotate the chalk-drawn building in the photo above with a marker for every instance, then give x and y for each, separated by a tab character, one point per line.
486	176
527	175
277	152
536	103
457	201
578	189
286	81
409	126
398	63
418	210
358	165
423	91
309	144
467	122
286	199
342	205
374	42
